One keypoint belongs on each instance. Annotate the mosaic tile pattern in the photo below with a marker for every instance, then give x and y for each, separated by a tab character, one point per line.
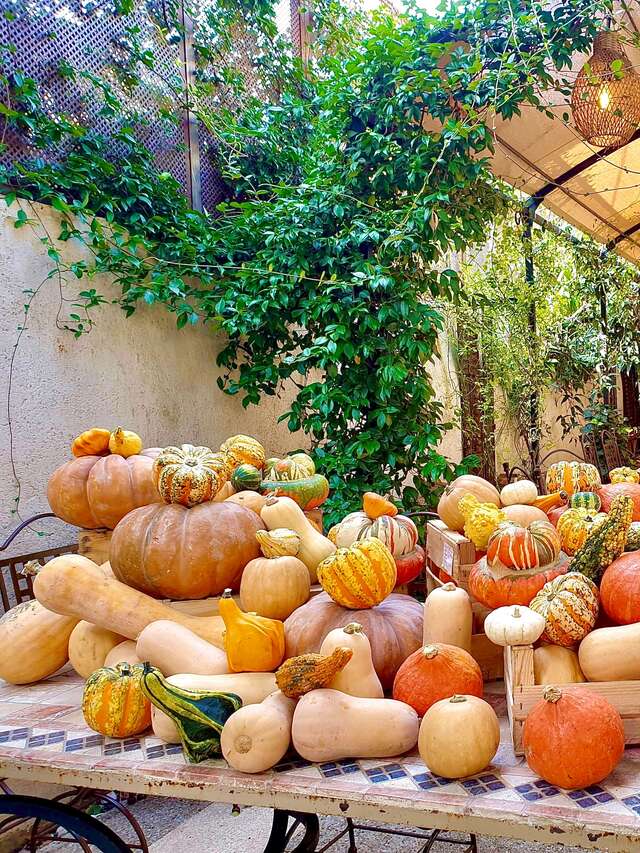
41	725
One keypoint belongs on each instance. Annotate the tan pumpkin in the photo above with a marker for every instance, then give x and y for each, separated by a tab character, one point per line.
358	677
611	654
524	514
280	512
250	500
569	605
274	586
256	737
97	491
113	702
189	475
92	442
125	442
520	492
448	617
448	509
360	576
513	626
178	552
556	665
89	646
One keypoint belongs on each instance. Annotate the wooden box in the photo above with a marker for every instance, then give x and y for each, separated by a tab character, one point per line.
450	553
522	694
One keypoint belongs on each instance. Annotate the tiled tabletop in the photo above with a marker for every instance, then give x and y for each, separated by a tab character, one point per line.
43	737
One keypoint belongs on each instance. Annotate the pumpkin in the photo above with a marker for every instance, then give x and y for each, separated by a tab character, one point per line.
375	505
520	492
569	605
124	652
125	442
244	449
189	475
555	514
97	491
513	626
459	736
548	502
515	588
280	542
448	505
286	469
113	702
358	677
620	589
556	665
480	520
299	675
512	547
394	629
633	537
398	532
252	643
573	477
608	494
611	654
523	514
256	737
89	646
448	617
574	526
280	512
573	738
585	500
360	576
173	649
435	672
246	478
179	552
199	715
409	566
275	586
606	541
34	642
92	442
329	725
308	492
250	500
624	475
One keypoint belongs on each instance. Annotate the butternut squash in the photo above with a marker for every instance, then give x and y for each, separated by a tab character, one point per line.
89	645
314	547
74	586
34	642
173	649
329	725
257	736
611	654
358	677
123	653
556	665
251	687
448	617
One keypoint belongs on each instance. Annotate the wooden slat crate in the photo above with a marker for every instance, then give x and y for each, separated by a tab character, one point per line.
522	694
450	554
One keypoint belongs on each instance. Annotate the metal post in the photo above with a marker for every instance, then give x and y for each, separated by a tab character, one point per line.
190	121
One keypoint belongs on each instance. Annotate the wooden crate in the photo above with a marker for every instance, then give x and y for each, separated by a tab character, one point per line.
451	554
522	694
94	544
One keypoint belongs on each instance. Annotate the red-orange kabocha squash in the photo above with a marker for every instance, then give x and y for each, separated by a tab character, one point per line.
436	671
514	588
620	589
612	490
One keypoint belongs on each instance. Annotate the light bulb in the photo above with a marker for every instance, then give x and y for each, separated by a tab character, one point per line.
604	98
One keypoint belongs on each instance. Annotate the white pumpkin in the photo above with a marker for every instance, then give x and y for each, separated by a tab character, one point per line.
520	492
514	626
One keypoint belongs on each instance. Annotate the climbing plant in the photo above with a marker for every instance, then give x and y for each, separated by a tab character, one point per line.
323	266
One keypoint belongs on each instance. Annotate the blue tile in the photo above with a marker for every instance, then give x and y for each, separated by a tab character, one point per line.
379	778
477	790
329	773
488	778
522	789
426	785
495	786
329	765
576	795
542	783
397	774
594	789
351	768
532	796
634	800
604	797
586	802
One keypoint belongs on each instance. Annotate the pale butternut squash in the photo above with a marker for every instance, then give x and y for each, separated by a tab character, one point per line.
74	586
251	687
358	677
173	649
611	654
89	645
34	642
257	736
329	725
314	547
556	665
448	617
124	653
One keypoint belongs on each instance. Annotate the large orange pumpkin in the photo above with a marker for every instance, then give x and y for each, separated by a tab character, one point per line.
172	551
620	589
516	588
611	491
573	738
393	628
97	491
448	509
436	671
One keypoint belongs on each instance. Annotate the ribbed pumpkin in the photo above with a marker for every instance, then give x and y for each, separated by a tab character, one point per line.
91	442
113	702
360	576
246	477
189	475
574	526
244	449
585	500
624	475
570	606
97	491
294	466
514	588
609	493
620	589
253	643
573	738
436	671
448	505
275	584
523	548
573	477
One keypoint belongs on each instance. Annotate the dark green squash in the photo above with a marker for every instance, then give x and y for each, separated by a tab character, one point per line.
308	492
246	478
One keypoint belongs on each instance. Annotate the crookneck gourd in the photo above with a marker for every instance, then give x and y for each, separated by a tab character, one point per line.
607	542
253	643
304	673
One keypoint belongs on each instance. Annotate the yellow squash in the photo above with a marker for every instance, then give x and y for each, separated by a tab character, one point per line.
125	442
360	576
252	643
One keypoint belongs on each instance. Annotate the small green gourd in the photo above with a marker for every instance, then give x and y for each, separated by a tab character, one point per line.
246	477
585	500
606	542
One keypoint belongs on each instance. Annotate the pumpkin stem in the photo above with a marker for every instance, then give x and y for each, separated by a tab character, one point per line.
31	569
353	628
516	612
430	651
449	587
552	694
271	500
457	698
226	593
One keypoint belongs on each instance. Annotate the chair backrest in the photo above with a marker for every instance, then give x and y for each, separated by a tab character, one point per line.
14	586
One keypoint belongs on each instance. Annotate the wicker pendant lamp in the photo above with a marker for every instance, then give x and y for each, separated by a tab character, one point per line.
606	95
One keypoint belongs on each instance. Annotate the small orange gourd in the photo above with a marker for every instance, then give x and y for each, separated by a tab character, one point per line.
91	442
253	643
375	505
113	703
125	442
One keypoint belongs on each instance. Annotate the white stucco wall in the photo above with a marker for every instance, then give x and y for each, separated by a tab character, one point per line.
139	372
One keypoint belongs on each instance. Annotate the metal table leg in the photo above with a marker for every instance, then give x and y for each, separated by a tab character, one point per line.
281	832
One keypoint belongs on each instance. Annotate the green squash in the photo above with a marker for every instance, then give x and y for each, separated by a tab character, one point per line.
606	542
585	500
246	478
308	492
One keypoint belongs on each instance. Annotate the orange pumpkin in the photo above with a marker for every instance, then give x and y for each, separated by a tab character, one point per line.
113	702
573	738
556	513
91	442
448	508
97	491
609	492
374	505
515	588
436	671
620	589
173	551
523	548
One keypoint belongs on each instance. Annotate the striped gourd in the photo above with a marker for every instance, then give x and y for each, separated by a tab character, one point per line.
360	576
113	702
607	542
585	500
633	537
244	449
397	532
569	605
572	477
575	525
246	477
190	475
308	492
523	548
199	715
